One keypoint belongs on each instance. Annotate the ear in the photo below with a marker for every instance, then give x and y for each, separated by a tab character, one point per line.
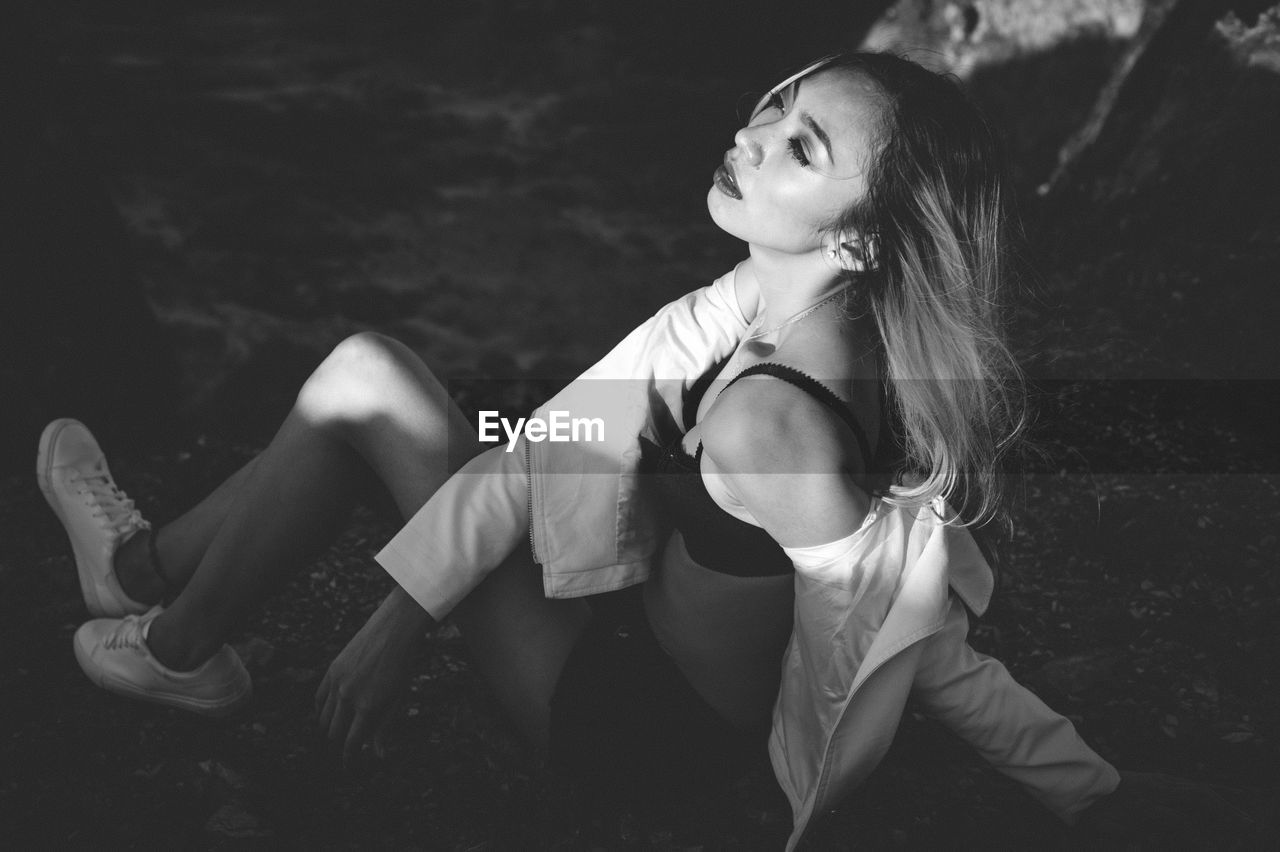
855	251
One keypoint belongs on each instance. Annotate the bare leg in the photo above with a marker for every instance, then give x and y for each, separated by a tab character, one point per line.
183	544
372	401
520	640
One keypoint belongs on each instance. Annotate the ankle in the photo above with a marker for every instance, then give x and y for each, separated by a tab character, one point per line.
132	567
172	650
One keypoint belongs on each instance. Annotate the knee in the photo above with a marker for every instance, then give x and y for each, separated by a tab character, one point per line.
355	381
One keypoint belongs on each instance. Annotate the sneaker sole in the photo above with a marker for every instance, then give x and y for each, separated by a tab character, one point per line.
43	478
89	589
210	707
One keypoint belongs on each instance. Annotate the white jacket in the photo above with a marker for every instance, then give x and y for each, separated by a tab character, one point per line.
877	613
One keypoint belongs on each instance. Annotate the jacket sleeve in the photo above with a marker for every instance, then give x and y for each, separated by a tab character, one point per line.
472	522
1011	728
484	511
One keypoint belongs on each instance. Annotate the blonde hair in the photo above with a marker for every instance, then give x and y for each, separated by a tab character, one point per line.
936	211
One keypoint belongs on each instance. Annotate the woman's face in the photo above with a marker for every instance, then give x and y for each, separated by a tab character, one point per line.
799	163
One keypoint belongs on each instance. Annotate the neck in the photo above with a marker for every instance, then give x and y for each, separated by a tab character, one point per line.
789	283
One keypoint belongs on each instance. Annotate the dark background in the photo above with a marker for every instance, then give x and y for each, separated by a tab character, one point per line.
204	197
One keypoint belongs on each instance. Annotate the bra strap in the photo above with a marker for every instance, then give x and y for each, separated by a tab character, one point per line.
818	391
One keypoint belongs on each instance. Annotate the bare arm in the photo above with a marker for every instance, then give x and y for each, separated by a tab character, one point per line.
368	676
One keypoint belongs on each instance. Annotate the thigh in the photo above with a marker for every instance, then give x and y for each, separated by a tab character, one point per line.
628	725
520	640
382	400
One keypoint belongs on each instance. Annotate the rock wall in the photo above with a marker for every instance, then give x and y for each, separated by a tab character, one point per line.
1137	64
1142	137
962	37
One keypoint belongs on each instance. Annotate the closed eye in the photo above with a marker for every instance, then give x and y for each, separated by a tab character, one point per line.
797	151
794	145
778	101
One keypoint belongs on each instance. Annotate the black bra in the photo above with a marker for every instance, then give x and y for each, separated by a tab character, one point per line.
713	537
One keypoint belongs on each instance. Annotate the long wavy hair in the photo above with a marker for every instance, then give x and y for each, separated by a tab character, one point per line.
936	209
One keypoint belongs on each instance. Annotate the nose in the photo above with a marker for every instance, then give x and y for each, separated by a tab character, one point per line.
748	143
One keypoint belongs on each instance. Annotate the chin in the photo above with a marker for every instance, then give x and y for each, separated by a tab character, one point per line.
716	207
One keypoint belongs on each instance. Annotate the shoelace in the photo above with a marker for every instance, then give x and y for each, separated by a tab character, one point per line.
127	634
113	504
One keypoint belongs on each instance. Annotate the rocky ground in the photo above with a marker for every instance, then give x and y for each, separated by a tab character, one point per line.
509	192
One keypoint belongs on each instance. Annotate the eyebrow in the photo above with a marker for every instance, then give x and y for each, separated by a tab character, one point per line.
819	132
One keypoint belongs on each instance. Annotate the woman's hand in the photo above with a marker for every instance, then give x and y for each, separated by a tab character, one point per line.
1167	812
369	675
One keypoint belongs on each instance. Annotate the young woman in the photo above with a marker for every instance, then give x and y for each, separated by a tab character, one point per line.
806	422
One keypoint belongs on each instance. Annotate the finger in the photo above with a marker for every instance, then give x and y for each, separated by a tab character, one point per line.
380	742
327	712
322	693
1191	800
1224	814
356	736
340	722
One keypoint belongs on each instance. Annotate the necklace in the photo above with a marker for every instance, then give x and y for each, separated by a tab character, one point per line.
795	317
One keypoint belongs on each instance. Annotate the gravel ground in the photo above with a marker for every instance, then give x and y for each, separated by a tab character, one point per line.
292	174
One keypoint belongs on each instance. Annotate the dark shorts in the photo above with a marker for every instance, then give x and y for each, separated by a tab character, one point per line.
625	721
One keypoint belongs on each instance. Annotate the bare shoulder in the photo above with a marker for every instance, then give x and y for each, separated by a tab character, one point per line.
785	457
762	424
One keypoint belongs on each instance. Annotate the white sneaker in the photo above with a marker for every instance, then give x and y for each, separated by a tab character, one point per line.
113	652
97	516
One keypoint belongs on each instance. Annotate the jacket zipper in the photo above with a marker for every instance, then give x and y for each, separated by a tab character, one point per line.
528	466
